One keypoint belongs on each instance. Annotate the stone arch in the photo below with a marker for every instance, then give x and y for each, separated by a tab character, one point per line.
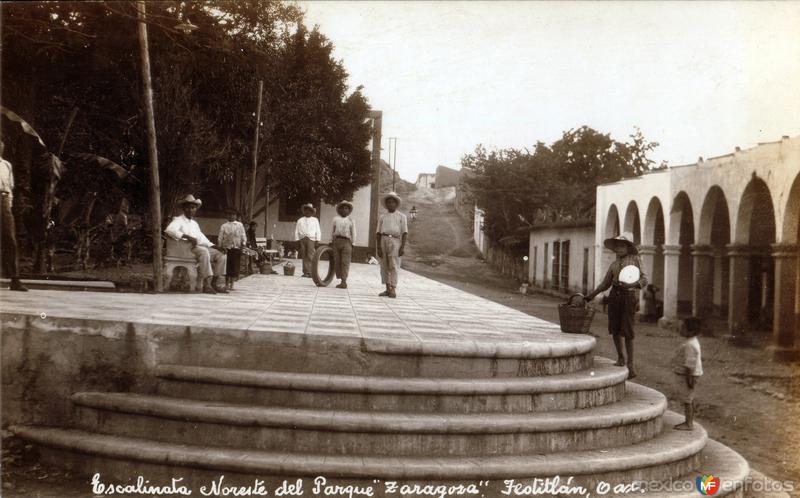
681	221
715	224
711	272
653	238
787	275
681	234
654	224
791	215
631	223
612	222
752	266
755	221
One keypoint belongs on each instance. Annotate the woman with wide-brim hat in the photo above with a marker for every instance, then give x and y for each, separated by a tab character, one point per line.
625	278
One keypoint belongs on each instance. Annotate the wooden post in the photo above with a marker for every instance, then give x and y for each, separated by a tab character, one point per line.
152	150
255	152
375	190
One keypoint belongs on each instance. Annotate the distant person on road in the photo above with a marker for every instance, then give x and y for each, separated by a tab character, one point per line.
211	259
308	233
392	234
9	231
623	298
342	239
688	365
232	238
413	213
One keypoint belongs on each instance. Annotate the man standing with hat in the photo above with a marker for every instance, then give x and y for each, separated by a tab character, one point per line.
624	277
308	233
392	234
211	259
342	239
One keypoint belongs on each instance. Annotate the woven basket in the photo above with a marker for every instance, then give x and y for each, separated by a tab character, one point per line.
575	318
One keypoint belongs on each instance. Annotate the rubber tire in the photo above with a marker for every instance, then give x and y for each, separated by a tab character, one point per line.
323	282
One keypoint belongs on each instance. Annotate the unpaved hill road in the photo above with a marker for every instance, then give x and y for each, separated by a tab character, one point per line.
440	244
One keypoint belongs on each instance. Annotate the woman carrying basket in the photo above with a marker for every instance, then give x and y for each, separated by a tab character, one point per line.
624	277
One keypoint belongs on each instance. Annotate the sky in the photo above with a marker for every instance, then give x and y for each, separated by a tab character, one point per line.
699	78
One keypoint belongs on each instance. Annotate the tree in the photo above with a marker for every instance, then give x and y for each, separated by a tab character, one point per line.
58	56
550	183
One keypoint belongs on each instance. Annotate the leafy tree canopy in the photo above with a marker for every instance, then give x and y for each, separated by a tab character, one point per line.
550	183
58	56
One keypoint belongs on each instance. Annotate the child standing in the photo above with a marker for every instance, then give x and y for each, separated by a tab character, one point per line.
342	239
688	365
308	233
392	234
622	299
232	238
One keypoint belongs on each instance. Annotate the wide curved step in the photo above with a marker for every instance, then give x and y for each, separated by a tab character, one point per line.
715	459
175	420
602	384
671	454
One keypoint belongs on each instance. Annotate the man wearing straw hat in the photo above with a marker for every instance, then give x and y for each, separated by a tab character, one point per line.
624	277
308	233
342	240
392	234
211	259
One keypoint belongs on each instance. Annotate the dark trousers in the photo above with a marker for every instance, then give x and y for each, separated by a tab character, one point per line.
233	262
307	248
9	240
342	255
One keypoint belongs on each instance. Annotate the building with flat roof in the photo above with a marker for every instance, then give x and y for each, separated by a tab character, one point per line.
718	237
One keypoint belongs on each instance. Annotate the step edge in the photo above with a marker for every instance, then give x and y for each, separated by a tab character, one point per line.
638	412
573	463
570	382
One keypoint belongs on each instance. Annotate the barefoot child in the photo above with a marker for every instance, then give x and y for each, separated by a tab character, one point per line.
392	234
688	366
623	297
342	239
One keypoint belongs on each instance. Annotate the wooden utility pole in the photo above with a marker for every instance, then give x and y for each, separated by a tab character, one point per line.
255	152
152	150
375	190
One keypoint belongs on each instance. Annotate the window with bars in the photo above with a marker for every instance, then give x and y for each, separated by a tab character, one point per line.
564	285
544	266
556	264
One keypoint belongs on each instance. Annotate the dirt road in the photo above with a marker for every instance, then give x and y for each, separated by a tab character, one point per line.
746	400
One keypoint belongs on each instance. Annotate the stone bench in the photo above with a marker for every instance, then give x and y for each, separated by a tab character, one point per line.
180	266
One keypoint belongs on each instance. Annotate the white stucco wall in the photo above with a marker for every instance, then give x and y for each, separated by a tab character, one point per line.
579	238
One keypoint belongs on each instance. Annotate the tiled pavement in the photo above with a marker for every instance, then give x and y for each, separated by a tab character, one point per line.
425	311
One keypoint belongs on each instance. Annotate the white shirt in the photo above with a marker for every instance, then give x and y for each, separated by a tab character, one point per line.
232	235
688	356
344	227
181	225
6	177
394	224
308	226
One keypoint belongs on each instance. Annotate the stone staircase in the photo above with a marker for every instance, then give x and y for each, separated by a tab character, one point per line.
366	413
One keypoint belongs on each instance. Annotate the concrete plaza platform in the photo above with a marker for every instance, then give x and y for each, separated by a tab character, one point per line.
282	379
427	317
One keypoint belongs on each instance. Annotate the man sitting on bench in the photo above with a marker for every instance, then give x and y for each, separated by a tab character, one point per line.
210	258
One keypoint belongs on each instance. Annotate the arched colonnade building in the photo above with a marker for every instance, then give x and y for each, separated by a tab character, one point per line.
719	238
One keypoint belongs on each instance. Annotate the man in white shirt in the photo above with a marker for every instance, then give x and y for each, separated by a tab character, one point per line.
308	233
211	259
9	232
